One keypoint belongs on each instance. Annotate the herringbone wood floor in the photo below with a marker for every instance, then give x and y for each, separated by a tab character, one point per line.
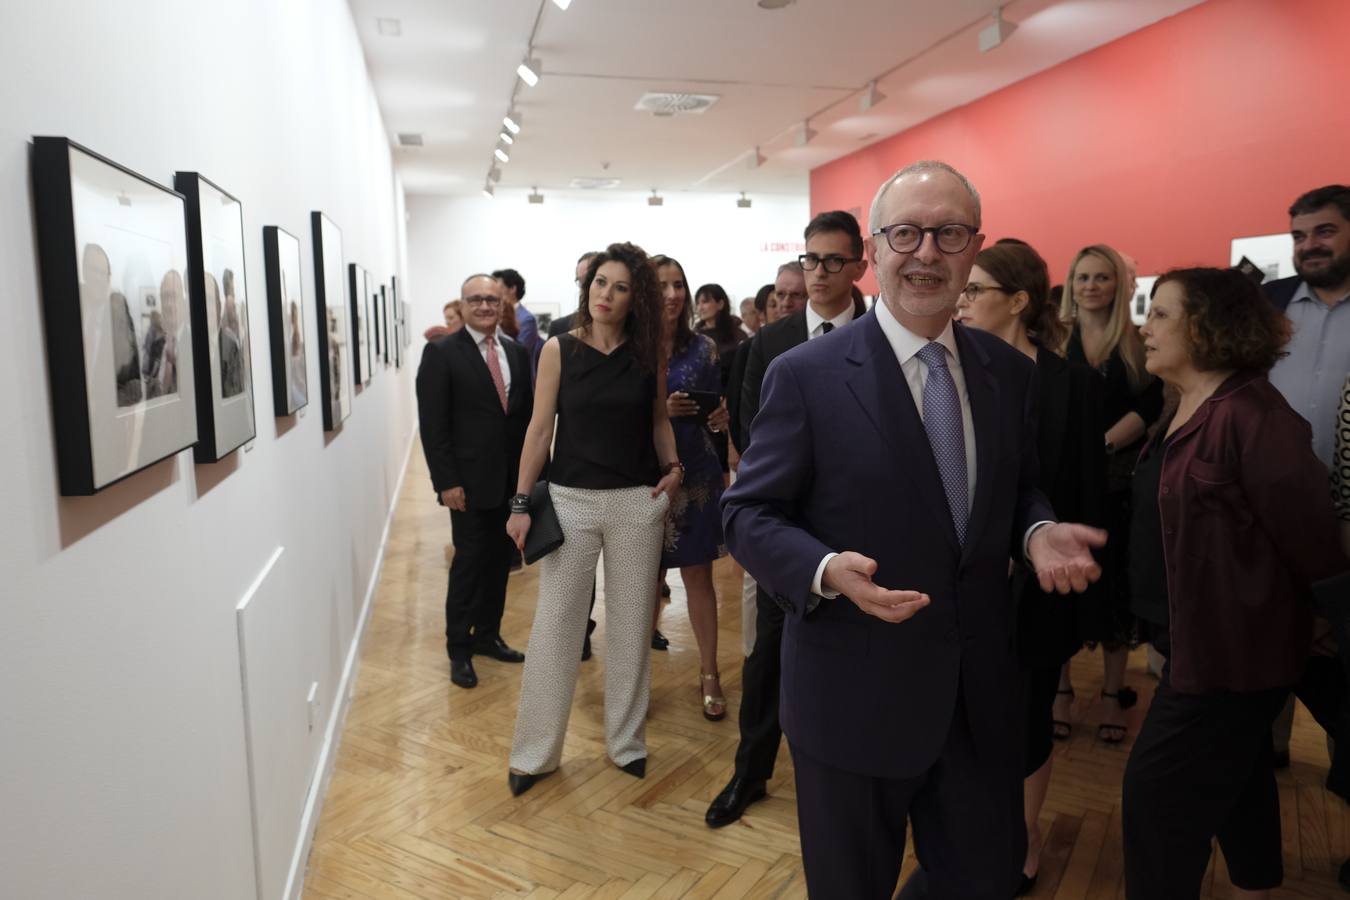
419	809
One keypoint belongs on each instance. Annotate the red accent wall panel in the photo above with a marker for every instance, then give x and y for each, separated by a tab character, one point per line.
1166	143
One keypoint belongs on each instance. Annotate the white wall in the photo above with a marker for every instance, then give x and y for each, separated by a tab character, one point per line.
452	237
123	770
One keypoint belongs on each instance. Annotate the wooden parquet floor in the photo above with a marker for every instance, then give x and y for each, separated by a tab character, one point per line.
418	808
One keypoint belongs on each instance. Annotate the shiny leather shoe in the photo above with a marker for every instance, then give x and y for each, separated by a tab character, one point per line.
1344	875
637	768
1027	884
498	650
729	805
462	673
520	783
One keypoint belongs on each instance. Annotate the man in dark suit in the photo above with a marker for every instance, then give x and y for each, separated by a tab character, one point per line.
474	402
826	273
889	478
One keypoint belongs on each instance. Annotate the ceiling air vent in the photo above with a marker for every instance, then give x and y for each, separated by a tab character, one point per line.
668	104
594	184
408	139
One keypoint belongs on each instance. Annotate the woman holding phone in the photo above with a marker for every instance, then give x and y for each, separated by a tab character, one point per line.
612	478
694	535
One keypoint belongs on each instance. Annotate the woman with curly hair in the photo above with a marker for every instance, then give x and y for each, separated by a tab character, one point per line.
1096	305
612	478
1235	524
694	536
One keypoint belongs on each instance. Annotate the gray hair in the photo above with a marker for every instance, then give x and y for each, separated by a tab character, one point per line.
791	266
923	165
472	277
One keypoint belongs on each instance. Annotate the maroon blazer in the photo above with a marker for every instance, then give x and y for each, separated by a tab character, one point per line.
1248	528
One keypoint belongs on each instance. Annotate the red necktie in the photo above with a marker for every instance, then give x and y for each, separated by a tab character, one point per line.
495	369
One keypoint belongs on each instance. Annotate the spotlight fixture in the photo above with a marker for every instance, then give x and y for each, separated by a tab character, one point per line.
562	4
506	138
871	97
529	71
501	154
489	190
535	196
744	202
756	159
995	32
494	174
805	133
655	199
512	122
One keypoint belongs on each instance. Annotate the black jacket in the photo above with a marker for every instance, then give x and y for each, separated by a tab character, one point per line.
1282	290
468	440
771	342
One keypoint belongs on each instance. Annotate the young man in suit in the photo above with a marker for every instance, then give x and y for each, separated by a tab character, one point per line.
890	475
825	275
474	400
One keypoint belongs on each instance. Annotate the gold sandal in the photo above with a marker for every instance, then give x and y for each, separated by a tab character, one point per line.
714	705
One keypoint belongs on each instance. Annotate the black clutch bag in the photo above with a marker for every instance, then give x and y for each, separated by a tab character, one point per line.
545	533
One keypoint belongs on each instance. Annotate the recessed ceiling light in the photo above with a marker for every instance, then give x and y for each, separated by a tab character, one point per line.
409	139
389	27
775	4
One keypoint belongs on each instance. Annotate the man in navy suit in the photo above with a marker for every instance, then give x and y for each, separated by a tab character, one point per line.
889	477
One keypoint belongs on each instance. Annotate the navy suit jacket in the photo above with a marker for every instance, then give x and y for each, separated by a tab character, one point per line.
839	460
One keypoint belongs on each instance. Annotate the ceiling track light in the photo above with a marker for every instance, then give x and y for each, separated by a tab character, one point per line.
489	190
494	174
805	133
871	97
562	4
529	70
745	202
501	154
506	138
655	199
996	32
512	122
756	159
535	196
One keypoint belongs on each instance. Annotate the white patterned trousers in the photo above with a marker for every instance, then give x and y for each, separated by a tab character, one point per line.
628	524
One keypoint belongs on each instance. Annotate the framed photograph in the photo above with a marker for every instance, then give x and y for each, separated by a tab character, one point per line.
333	325
356	289
1273	254
371	301
395	309
113	255
286	314
384	325
407	332
218	296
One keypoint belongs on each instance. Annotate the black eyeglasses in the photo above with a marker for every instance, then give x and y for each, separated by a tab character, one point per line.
482	300
975	289
832	264
905	237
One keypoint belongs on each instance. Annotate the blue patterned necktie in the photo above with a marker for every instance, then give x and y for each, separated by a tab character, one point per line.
946	435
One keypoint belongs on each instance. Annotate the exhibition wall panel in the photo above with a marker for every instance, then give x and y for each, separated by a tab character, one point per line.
1166	143
123	763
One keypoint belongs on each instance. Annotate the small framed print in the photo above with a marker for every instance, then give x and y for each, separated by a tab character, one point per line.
333	325
113	256
286	315
356	290
218	290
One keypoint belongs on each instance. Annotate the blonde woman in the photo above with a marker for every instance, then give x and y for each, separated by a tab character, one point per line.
1096	306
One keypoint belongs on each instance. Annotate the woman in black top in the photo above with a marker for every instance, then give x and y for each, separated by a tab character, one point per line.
1008	295
612	477
1096	301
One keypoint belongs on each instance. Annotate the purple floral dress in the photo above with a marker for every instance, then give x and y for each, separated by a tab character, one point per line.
694	532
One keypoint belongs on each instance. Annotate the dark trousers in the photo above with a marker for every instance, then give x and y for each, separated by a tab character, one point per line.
1324	690
476	594
968	834
1200	769
760	679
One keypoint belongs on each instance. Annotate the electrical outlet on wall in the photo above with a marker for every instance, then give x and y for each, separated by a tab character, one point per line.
312	704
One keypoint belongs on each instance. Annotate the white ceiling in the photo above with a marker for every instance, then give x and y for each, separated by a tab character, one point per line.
451	75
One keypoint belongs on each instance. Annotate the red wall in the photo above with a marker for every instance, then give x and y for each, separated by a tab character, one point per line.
1166	143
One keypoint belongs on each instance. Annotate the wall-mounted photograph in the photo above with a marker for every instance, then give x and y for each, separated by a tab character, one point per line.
356	290
218	292
113	253
286	314
385	324
372	354
334	326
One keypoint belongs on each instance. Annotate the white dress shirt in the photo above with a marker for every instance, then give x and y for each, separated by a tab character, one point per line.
907	345
480	341
815	320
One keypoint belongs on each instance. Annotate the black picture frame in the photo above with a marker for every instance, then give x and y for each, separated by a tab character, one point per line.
332	324
372	314
286	316
111	240
222	338
356	289
385	323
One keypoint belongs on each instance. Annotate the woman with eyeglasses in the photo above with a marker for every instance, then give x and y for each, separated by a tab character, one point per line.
612	478
1008	295
694	536
1096	302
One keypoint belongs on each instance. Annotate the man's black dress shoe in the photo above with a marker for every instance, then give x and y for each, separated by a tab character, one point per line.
520	783
659	641
497	649
637	768
1027	884
1344	875
462	673
1279	760
729	805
